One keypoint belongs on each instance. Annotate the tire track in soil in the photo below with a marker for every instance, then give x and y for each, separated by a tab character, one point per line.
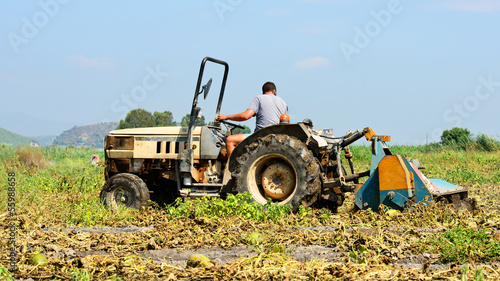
300	253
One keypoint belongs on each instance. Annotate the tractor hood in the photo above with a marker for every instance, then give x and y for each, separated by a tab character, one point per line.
154	131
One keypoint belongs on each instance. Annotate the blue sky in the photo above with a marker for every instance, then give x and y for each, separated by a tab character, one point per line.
409	69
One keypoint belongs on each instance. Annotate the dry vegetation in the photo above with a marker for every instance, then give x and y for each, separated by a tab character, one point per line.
59	216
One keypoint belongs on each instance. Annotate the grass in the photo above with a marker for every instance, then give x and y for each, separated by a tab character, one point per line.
68	179
465	244
54	175
31	158
79	275
65	192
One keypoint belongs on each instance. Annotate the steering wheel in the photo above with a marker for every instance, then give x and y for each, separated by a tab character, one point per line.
232	124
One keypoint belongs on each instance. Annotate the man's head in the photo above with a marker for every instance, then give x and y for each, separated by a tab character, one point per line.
268	87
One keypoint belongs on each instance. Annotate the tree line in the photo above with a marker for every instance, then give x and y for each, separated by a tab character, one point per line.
462	138
140	118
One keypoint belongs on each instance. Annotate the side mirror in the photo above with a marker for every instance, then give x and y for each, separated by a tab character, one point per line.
206	88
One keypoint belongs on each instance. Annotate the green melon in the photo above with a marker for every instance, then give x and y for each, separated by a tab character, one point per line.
255	238
392	213
39	260
197	260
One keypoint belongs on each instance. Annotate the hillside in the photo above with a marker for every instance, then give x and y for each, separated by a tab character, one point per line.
87	136
44	140
14	139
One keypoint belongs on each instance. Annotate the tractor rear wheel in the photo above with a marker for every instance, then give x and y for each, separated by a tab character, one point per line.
280	168
127	189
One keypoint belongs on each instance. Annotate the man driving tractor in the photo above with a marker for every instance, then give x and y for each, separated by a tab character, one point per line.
267	108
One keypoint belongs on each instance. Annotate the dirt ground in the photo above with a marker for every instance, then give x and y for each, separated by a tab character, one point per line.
178	256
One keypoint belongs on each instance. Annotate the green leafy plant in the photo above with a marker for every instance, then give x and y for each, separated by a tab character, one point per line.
358	254
462	244
479	275
79	275
240	205
5	274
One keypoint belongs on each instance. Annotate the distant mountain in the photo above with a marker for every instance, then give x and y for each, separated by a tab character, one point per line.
88	136
14	139
44	140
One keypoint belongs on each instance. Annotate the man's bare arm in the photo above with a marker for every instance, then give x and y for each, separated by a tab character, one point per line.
243	116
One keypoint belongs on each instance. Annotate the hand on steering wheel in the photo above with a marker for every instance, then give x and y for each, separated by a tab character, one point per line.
222	118
232	124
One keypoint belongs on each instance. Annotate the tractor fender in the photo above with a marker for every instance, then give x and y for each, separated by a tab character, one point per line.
298	131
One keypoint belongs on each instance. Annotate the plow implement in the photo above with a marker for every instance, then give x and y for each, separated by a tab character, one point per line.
397	182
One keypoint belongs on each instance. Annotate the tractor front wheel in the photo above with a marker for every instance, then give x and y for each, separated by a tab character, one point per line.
279	168
127	189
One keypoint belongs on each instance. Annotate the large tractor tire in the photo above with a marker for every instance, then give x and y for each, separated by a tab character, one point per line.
280	168
127	189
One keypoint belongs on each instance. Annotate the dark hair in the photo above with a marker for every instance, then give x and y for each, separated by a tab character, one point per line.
268	86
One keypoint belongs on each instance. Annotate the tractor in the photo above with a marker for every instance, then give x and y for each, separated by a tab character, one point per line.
287	163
